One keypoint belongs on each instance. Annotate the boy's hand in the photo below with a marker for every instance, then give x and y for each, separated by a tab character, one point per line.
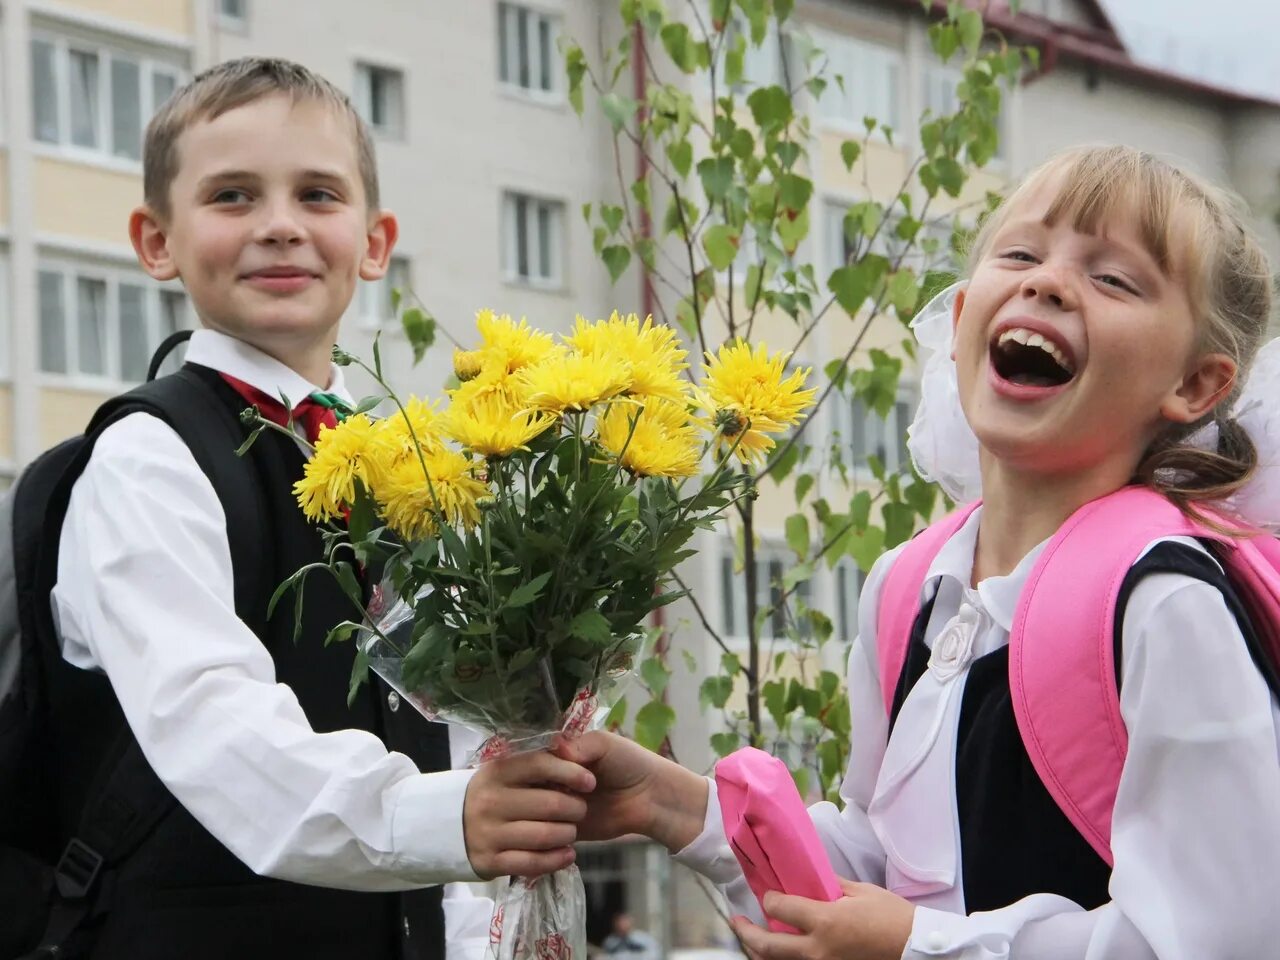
516	819
637	791
867	923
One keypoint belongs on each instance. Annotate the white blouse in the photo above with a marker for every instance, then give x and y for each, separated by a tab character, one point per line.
1196	828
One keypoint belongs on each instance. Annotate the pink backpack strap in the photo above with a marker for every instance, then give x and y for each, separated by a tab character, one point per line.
1062	652
899	602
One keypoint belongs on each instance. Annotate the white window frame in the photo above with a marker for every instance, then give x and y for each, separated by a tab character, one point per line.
894	58
768	552
398	129
510	242
104	153
554	95
230	21
374	301
894	428
847	581
112	379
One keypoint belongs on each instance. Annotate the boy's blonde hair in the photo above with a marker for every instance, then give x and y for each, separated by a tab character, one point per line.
1199	235
230	85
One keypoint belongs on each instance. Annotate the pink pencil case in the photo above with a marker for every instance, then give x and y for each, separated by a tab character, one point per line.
769	830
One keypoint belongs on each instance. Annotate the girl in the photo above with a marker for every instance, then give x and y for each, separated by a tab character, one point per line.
1114	306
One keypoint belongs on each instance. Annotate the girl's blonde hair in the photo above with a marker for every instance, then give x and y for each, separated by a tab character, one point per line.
1198	234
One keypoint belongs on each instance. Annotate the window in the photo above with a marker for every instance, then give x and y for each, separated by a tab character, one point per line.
375	295
862	434
532	231
234	13
870	85
772	562
94	99
103	325
527	58
380	99
5	368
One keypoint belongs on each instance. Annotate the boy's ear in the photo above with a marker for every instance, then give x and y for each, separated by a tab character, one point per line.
384	231
1202	389
151	244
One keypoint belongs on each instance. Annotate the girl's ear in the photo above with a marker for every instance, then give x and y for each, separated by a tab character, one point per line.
151	244
955	319
1202	389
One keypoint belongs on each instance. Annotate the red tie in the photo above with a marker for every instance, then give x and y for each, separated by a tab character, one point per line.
309	414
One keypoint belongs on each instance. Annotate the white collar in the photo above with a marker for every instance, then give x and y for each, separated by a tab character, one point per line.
226	354
998	595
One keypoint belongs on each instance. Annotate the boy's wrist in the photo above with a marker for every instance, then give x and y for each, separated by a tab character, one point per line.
677	806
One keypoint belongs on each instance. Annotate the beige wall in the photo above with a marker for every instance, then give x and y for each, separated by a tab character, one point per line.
64	412
79	200
172	16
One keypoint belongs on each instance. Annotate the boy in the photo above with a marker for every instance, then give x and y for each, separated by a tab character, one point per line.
261	196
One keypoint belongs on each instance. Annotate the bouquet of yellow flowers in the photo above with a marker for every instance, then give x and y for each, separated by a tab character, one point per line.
526	531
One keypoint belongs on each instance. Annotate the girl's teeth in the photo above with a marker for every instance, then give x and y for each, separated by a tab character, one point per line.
1031	339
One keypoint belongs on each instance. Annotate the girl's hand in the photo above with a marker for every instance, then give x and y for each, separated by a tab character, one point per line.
867	923
636	791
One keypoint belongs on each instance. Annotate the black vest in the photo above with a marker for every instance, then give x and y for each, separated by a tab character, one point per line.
1014	840
183	894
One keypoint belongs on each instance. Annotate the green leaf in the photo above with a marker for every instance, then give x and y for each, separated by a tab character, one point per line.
724	743
717	176
730	663
774	696
680	154
969	26
359	675
903	291
653	723
945	40
612	217
526	593
690	661
680	46
617	715
853	284
618	109
640	193
797	531
592	626
794	192
575	65
866	546
715	691
950	175
616	259
420	329
804	483
797	574
899	523
770	107
342	631
850	150
655	675
721	245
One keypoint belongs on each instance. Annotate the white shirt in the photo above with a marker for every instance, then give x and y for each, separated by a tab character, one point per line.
144	594
1196	828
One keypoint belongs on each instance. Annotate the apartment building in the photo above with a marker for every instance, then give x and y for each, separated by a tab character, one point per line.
488	168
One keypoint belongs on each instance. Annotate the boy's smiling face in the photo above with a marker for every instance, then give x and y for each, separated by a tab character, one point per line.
268	226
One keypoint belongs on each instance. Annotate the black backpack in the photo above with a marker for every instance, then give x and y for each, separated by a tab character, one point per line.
52	883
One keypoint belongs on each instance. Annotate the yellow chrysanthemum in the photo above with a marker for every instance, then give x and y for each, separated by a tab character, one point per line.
413	507
343	455
509	345
570	380
400	435
492	420
468	364
665	442
651	351
747	389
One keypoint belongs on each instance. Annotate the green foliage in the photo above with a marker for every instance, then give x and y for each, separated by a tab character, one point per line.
729	171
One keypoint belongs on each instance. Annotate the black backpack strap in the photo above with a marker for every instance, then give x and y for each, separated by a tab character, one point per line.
128	800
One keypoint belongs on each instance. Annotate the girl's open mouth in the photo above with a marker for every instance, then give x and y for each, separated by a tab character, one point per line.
1025	358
